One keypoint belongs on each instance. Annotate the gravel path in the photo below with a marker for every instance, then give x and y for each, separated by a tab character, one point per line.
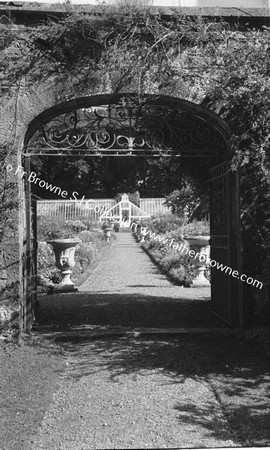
105	404
129	270
128	290
119	393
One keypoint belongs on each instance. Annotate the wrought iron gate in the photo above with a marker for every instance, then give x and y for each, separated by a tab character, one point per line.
226	290
122	125
29	255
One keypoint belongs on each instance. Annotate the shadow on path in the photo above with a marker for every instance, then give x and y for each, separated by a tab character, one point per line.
208	390
235	372
126	310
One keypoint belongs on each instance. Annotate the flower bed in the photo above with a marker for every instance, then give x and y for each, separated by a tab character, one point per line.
176	265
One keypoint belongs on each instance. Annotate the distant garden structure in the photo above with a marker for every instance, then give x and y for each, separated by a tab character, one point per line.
97	208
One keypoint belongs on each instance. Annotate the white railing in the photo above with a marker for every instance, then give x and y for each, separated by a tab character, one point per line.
92	209
153	206
68	209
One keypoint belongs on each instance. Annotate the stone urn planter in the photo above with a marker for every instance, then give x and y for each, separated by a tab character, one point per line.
199	244
107	232
116	227
64	250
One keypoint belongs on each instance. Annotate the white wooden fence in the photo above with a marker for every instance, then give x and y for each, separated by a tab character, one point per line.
92	209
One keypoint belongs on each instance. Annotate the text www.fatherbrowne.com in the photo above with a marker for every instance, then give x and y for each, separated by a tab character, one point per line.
202	257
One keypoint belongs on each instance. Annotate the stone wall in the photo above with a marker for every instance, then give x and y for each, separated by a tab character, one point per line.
17	110
20	103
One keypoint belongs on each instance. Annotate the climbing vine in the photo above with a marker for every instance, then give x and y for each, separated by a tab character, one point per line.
134	50
242	98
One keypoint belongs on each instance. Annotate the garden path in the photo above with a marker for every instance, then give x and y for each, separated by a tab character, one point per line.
128	269
129	280
126	391
128	290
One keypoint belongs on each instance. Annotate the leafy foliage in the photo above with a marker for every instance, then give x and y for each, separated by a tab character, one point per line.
53	228
175	265
197	228
171	226
184	202
242	97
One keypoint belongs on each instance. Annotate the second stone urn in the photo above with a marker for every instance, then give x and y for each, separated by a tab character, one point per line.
64	250
200	245
107	229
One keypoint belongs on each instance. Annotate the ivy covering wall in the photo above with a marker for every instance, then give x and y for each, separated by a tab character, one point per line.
133	50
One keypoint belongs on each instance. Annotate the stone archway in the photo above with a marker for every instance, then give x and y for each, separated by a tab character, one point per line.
126	125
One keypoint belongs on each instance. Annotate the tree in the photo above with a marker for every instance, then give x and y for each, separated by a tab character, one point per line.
186	200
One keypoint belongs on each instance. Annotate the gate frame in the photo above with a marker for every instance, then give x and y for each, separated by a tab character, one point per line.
210	118
228	244
29	258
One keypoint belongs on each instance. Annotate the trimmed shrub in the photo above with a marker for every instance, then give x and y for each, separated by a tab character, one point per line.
84	255
171	260
88	236
166	223
75	225
157	255
181	276
197	228
177	266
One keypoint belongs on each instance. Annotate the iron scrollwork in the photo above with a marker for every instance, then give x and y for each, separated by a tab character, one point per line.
127	128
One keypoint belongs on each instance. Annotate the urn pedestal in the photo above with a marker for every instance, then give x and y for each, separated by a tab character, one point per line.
200	245
64	250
